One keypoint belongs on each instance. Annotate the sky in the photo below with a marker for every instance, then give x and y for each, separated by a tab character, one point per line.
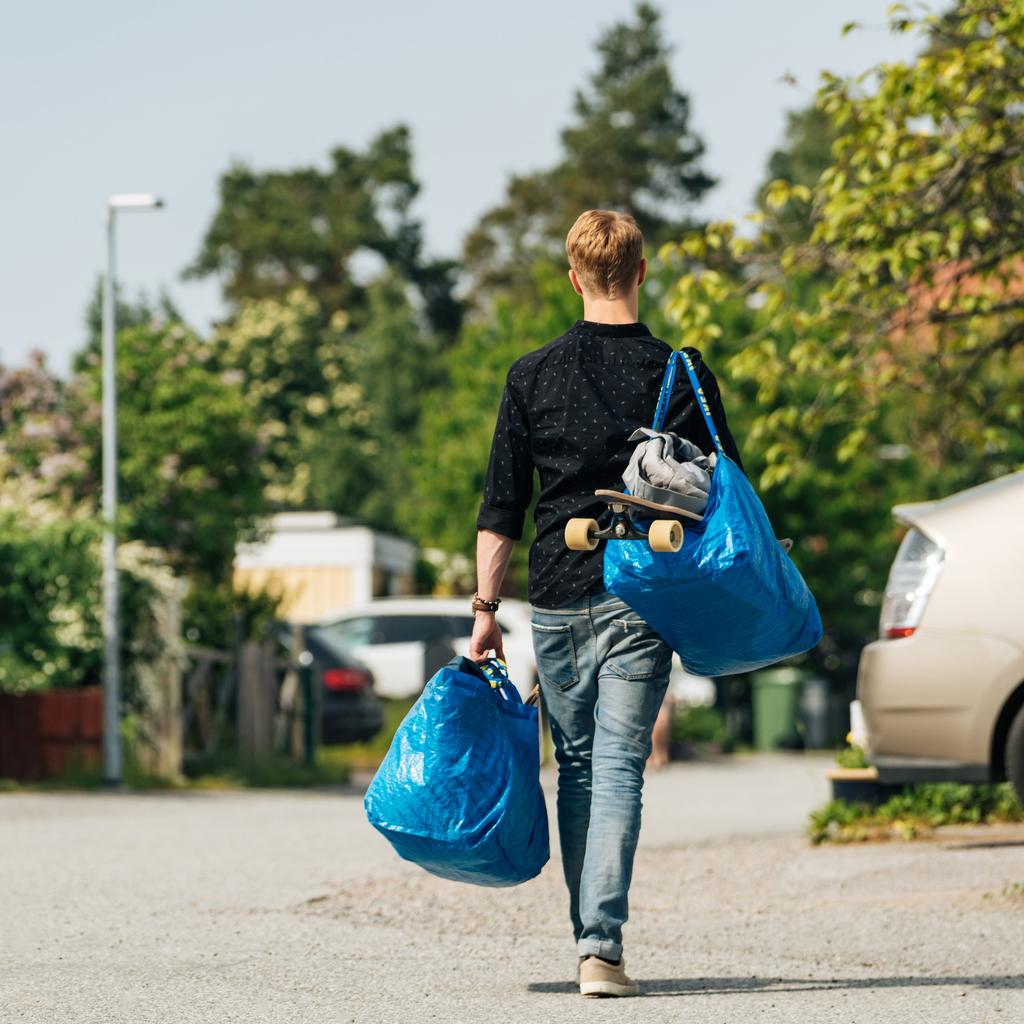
116	96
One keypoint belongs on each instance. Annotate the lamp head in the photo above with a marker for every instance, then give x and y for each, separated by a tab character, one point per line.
134	201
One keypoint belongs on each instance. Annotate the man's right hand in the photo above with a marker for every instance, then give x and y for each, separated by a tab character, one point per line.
486	637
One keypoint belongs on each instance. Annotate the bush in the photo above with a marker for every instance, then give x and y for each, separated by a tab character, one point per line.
852	756
698	723
915	812
51	604
210	609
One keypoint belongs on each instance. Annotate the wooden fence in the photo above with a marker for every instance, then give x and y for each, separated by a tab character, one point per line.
248	704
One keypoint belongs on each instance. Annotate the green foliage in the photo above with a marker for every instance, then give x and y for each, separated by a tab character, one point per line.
190	484
337	404
51	604
630	144
188	472
215	614
293	362
360	469
280	230
698	723
278	772
188	476
629	147
878	353
43	454
852	756
142	312
915	812
803	158
449	463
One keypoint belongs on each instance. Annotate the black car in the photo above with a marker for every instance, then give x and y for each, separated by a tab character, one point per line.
350	711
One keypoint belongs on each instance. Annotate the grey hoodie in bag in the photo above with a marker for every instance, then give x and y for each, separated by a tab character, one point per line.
669	470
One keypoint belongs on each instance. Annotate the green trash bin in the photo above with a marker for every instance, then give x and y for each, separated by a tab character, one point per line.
776	698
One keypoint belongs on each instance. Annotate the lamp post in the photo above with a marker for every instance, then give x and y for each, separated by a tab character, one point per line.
111	589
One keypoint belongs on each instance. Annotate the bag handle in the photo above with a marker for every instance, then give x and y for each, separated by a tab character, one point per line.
666	393
495	671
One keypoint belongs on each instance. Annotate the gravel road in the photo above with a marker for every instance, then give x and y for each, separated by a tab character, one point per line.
281	907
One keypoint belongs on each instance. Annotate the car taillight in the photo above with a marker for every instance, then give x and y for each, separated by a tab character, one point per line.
340	679
912	578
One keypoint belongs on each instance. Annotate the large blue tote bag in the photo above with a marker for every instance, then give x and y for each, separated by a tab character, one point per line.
459	791
730	599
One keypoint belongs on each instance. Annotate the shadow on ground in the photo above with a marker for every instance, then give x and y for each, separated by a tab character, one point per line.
735	986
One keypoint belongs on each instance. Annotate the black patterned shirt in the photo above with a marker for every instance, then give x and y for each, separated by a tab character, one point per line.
567	412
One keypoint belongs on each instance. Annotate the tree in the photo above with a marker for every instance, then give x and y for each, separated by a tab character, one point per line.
806	153
188	447
50	603
448	464
140	312
43	451
359	466
292	360
306	228
189	488
881	348
337	406
629	147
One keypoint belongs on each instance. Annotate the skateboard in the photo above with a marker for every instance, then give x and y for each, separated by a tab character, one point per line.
663	534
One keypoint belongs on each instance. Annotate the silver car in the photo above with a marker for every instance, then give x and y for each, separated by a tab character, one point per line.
941	693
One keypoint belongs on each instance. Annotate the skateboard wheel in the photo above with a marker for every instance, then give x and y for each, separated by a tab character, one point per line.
578	534
665	535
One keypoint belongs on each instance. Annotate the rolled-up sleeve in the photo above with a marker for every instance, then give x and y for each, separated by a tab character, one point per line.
509	486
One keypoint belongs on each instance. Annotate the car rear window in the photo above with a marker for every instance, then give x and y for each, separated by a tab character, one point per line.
406	629
325	645
403	628
462	625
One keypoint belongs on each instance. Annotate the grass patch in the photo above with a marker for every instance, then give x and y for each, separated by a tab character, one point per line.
366	757
915	813
218	773
272	773
88	777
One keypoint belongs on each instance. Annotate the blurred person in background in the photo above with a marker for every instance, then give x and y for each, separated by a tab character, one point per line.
661	735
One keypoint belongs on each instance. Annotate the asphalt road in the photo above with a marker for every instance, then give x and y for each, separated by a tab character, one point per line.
285	907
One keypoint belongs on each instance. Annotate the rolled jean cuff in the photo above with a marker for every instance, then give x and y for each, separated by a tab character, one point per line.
604	948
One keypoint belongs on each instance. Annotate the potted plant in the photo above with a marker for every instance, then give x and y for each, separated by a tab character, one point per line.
855	780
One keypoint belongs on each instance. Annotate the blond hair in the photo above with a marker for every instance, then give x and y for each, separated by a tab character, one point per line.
605	249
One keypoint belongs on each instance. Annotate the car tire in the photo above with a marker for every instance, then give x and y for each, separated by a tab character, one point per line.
1015	755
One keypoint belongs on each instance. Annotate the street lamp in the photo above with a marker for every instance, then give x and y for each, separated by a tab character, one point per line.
111	594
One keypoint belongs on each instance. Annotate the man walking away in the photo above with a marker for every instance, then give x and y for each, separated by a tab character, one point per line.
567	412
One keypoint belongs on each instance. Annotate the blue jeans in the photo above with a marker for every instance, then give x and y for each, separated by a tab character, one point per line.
603	674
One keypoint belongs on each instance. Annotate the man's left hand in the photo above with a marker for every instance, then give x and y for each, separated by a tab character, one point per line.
486	637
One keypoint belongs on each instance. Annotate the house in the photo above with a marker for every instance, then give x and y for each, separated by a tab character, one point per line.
319	561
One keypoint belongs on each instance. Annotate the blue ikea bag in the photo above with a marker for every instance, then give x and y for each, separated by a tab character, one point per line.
730	599
459	790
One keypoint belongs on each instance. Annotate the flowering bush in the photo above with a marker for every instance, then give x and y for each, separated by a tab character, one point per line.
51	604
